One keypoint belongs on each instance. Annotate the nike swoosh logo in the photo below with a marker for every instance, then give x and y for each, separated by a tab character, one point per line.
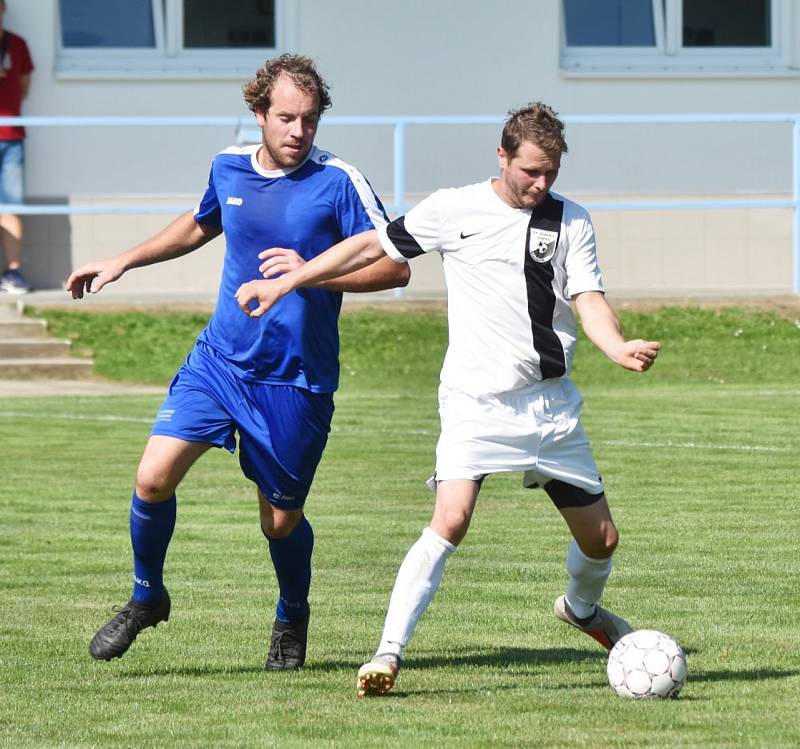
467	236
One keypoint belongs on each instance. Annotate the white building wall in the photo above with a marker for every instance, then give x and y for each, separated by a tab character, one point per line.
419	57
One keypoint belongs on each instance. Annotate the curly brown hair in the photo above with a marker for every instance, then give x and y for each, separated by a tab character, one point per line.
535	123
302	72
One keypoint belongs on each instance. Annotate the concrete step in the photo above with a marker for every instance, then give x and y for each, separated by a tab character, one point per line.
31	348
58	368
27	354
10	307
24	327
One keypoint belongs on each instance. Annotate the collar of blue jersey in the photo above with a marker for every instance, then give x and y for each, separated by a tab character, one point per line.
273	173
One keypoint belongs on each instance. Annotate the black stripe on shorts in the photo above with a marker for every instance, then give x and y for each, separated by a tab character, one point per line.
564	495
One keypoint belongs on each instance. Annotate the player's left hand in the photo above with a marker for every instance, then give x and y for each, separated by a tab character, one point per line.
278	260
638	355
261	293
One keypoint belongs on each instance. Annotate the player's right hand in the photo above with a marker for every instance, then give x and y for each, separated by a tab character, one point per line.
91	278
261	293
638	355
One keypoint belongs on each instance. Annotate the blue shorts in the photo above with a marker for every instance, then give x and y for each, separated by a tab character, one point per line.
282	429
12	162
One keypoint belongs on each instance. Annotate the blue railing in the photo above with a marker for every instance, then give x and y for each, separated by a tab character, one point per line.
399	204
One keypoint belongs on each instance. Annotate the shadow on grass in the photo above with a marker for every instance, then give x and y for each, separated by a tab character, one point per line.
479	657
749	675
198	671
490	658
499	657
510	660
595	685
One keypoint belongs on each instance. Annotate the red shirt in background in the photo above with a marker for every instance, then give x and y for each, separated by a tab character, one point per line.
16	62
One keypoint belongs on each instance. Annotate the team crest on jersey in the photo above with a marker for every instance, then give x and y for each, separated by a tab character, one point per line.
542	246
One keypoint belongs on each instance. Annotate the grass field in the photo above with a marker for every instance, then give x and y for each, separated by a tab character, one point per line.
700	460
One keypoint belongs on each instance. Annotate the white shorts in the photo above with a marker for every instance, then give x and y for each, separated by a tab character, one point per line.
536	430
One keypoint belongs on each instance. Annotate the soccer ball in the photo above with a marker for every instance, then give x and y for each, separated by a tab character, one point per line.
646	664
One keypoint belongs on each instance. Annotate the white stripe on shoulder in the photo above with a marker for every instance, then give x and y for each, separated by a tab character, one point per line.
365	192
241	150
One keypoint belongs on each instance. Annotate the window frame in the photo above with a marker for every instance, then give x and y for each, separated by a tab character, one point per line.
670	57
169	58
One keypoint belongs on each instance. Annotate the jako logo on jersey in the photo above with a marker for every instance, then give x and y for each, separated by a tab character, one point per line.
234	201
283	497
543	245
165	414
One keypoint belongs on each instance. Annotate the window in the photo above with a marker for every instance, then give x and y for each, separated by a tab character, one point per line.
112	38
744	23
673	35
620	23
94	24
223	24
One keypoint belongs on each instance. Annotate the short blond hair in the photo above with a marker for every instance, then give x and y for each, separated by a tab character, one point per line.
534	123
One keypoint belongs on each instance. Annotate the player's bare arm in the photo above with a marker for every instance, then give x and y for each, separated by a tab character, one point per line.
603	329
352	254
382	274
179	238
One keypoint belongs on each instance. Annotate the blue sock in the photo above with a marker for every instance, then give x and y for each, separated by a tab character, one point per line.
291	557
152	524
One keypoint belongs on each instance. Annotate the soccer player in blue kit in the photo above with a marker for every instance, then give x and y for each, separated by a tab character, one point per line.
269	380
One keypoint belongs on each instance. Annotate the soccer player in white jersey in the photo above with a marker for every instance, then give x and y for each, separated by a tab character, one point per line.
269	381
515	255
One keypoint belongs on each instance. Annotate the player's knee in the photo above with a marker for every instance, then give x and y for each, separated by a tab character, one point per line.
612	540
277	524
607	545
277	529
153	485
602	543
610	537
452	524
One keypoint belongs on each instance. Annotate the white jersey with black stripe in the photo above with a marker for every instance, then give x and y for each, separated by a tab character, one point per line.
510	274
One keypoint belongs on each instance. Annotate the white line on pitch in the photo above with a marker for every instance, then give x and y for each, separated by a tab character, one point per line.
74	417
696	446
425	432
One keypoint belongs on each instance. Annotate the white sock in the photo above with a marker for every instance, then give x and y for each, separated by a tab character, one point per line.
587	579
417	581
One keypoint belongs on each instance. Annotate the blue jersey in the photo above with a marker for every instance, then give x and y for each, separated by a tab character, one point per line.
307	208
